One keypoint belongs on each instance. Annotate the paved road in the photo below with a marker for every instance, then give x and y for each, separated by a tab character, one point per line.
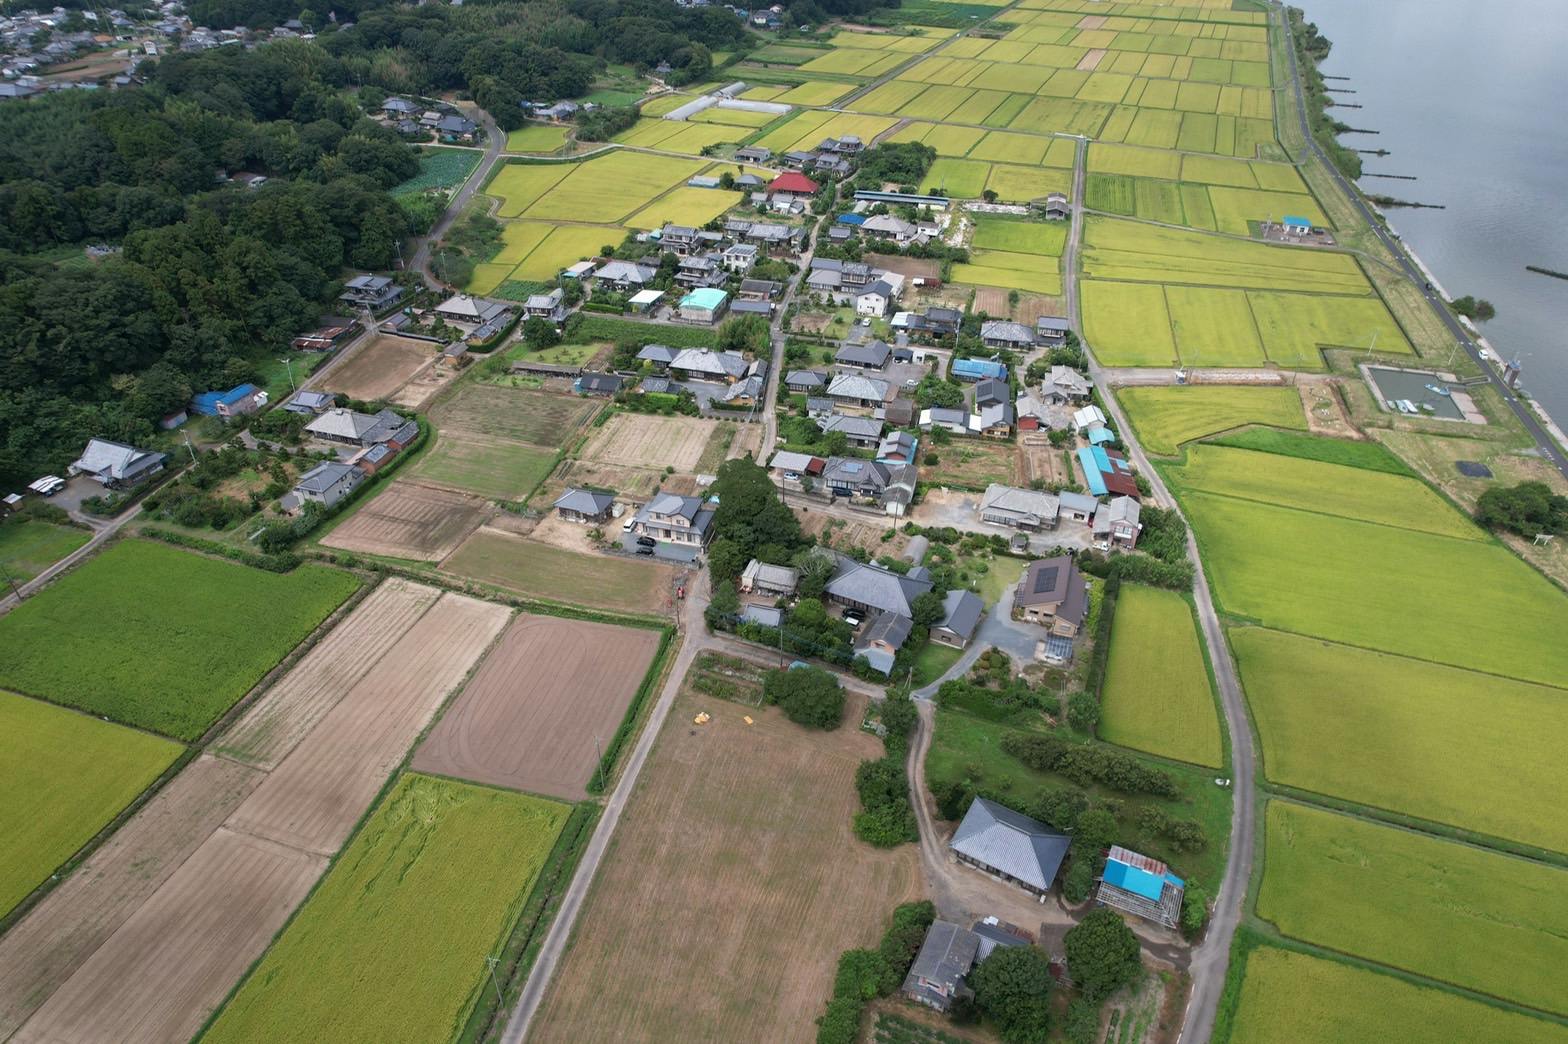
1543	439
770	421
495	143
1209	961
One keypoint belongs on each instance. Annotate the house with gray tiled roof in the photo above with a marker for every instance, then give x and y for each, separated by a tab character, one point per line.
584	505
1009	845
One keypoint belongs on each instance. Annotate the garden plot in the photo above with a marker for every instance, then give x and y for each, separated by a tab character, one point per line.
1293	998
409	520
1406	735
1166	417
536	570
697	900
190	634
1156	696
1493	923
541	706
491	467
381	367
403	896
535	417
647	441
65	776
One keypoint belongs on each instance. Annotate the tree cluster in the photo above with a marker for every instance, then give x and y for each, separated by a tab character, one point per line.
886	817
1087	763
1102	954
808	696
866	974
1013	989
1527	509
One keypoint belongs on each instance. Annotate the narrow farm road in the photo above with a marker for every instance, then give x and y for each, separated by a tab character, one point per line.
103	532
495	144
694	639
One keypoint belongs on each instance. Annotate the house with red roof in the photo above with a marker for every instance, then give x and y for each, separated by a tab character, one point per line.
792	184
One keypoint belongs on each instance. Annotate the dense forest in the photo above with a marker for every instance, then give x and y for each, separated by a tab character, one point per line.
211	278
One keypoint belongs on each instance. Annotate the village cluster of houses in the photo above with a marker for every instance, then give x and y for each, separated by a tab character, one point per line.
31	42
1010	846
421	119
371	440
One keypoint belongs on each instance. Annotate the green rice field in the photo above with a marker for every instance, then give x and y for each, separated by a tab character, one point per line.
1166	417
1471	750
536	137
1331	489
608	187
160	638
1293	998
1157	696
498	468
1467	603
1047	238
1493	923
28	547
684	206
392	944
65	776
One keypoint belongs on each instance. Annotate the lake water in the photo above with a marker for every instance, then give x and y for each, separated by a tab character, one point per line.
1472	98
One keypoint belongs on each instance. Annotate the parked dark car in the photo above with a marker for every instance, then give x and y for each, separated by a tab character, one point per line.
647	541
645	551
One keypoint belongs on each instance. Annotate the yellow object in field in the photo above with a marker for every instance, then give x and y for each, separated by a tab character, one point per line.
702	719
747	719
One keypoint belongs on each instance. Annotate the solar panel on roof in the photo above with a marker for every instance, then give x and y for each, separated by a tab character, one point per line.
852	467
1045	579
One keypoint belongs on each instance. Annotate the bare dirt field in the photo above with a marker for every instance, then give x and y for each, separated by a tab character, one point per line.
1092	60
536	417
409	520
318	792
381	367
748	439
991	301
1325	411
1033	306
535	714
168	944
908	267
642	440
730	888
556	531
631	482
973	464
288	711
179	954
48	945
423	385
619	583
844	533
1041	460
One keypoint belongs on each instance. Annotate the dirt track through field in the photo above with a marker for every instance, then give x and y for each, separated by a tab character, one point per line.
316	794
47	946
534	715
290	709
409	520
172	962
170	947
730	888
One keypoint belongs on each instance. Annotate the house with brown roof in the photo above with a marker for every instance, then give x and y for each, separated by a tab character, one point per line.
1053	593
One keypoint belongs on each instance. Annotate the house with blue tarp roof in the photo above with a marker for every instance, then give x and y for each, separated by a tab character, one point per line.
244	398
851	219
1141	886
978	369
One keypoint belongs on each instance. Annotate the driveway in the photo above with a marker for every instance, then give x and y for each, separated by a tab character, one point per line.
997	628
960	510
664	552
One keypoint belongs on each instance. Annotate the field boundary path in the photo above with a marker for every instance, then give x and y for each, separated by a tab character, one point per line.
1544	440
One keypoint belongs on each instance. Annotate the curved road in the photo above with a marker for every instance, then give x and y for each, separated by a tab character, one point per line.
495	144
1544	440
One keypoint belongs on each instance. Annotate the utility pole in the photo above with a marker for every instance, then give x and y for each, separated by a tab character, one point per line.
286	361
1373	346
599	763
191	449
18	591
492	962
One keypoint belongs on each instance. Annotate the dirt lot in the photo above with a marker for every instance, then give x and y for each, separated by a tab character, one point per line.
1325	411
158	972
423	385
734	867
409	520
638	483
287	712
991	301
381	367
908	267
1033	306
748	439
616	582
534	417
534	716
844	533
972	463
47	946
1038	459
642	440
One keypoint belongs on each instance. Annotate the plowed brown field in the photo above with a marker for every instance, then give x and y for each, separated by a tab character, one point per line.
409	521
290	709
316	794
158	972
534	714
730	888
47	946
179	954
642	440
381	367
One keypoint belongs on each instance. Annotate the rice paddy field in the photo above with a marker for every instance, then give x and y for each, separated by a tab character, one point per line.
1294	998
536	137
159	638
1493	923
1165	417
1157	696
1014	254
1380	730
607	187
392	944
1211	207
65	776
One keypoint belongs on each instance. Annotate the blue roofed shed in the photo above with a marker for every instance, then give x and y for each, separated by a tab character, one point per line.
243	398
1141	885
851	219
1296	225
1099	436
1092	476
